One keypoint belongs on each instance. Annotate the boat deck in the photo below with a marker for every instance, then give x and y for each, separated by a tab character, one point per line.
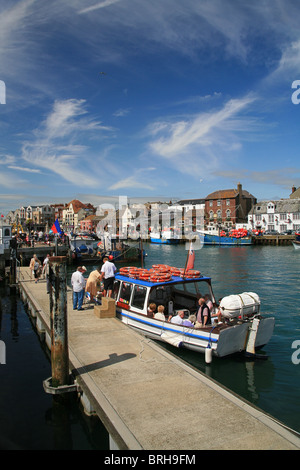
149	399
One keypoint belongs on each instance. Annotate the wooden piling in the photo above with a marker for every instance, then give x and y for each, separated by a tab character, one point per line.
58	321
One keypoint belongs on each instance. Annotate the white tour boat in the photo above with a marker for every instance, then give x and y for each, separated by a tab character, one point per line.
242	328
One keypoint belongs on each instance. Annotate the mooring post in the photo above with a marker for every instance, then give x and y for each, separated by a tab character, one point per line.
58	321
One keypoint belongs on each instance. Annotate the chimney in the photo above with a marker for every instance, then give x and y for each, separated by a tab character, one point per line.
293	189
239	188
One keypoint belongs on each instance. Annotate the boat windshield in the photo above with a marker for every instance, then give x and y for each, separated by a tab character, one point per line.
181	295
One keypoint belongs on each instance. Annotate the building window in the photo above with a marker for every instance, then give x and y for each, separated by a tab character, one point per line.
227	202
218	202
228	214
210	203
271	219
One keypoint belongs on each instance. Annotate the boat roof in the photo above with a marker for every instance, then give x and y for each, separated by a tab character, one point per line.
175	280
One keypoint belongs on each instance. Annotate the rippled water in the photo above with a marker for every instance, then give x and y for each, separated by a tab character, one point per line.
273	273
30	419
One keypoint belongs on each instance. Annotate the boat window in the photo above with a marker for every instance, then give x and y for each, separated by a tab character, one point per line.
139	296
179	287
116	289
125	292
190	287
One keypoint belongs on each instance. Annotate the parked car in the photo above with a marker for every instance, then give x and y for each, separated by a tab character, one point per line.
271	232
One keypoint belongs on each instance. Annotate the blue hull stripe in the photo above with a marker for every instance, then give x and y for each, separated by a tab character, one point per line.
163	327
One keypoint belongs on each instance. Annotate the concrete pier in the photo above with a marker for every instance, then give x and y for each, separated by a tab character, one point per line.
146	397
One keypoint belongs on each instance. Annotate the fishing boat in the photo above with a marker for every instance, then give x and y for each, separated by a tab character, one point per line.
165	237
117	250
242	328
82	245
214	236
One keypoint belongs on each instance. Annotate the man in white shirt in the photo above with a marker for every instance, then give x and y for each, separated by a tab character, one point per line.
78	284
108	275
178	319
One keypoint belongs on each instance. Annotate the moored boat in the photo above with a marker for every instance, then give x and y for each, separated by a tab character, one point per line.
296	244
178	290
220	237
166	237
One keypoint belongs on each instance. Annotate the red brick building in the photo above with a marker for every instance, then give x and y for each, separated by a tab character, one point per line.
228	206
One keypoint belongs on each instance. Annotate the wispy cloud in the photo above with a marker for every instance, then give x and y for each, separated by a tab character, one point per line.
55	145
99	5
20	168
121	112
139	180
193	145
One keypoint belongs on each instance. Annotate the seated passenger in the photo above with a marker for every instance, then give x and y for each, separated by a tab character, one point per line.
160	313
178	319
190	322
151	309
217	316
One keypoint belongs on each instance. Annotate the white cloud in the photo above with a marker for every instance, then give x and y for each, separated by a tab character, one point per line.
121	112
139	180
54	145
20	168
201	131
97	6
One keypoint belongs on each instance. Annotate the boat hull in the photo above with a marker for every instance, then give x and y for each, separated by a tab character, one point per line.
164	241
225	342
296	245
210	239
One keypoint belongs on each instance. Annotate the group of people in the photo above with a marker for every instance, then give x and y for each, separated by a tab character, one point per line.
204	316
159	315
80	285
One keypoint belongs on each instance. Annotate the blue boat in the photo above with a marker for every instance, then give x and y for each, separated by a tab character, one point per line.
233	239
166	237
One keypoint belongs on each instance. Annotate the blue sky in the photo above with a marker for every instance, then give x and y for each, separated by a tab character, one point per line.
160	99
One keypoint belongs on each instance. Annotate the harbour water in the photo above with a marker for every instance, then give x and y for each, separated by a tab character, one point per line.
31	419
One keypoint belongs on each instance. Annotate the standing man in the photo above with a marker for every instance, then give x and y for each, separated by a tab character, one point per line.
78	284
203	315
108	273
45	272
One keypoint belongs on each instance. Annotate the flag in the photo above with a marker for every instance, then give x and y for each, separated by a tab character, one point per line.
56	228
191	258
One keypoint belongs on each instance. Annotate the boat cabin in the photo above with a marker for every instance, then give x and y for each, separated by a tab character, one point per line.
177	294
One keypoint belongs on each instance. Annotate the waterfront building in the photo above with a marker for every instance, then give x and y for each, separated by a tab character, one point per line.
228	207
74	212
280	216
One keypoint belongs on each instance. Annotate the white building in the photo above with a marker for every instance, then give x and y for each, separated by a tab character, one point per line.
279	215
